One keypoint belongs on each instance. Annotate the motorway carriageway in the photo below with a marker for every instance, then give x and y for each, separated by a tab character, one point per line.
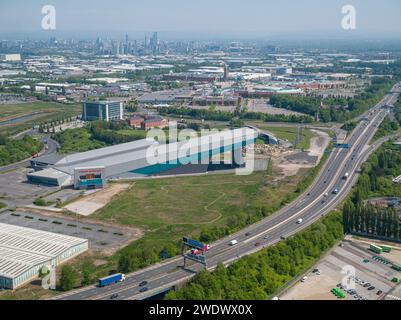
310	206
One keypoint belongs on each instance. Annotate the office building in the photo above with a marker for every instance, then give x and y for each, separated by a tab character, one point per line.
102	110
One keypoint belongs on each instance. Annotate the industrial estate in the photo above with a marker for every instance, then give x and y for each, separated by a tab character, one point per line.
136	167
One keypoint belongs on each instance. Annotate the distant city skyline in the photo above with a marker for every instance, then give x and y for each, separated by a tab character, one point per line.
185	19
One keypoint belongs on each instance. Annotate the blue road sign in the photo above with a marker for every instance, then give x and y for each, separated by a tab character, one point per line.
193	243
342	145
196	258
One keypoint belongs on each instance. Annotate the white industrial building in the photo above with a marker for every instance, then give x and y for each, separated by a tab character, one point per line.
10	57
147	157
24	251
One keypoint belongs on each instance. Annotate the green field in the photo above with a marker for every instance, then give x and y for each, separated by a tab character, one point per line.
40	111
168	209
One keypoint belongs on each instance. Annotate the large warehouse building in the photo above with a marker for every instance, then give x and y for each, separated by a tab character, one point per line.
24	252
147	157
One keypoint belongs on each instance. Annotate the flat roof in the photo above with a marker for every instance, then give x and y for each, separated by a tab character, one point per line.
23	248
143	150
107	151
49	173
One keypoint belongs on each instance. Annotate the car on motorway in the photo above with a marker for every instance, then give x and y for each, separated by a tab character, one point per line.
336	191
143	289
299	221
247	234
379	292
233	242
283	238
257	244
114	296
266	237
326	194
143	283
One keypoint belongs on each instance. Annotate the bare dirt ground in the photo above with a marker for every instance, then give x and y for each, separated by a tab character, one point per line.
291	162
95	201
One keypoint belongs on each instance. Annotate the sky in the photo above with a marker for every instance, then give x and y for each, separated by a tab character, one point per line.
207	17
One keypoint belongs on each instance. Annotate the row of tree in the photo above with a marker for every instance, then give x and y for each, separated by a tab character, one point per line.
217	115
360	216
372	220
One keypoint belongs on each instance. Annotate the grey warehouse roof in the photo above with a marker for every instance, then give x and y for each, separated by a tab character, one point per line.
22	248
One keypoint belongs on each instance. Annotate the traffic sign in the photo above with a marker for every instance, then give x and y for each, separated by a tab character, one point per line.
193	243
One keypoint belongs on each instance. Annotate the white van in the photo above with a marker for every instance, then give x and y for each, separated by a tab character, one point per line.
233	242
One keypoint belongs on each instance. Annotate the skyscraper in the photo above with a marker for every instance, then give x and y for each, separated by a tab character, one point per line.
126	47
154	43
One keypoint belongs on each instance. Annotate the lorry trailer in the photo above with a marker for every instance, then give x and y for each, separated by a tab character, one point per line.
114	278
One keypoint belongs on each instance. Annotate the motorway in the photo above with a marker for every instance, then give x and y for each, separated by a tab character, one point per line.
310	206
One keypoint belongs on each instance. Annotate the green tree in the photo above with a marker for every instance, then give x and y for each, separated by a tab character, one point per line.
68	278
